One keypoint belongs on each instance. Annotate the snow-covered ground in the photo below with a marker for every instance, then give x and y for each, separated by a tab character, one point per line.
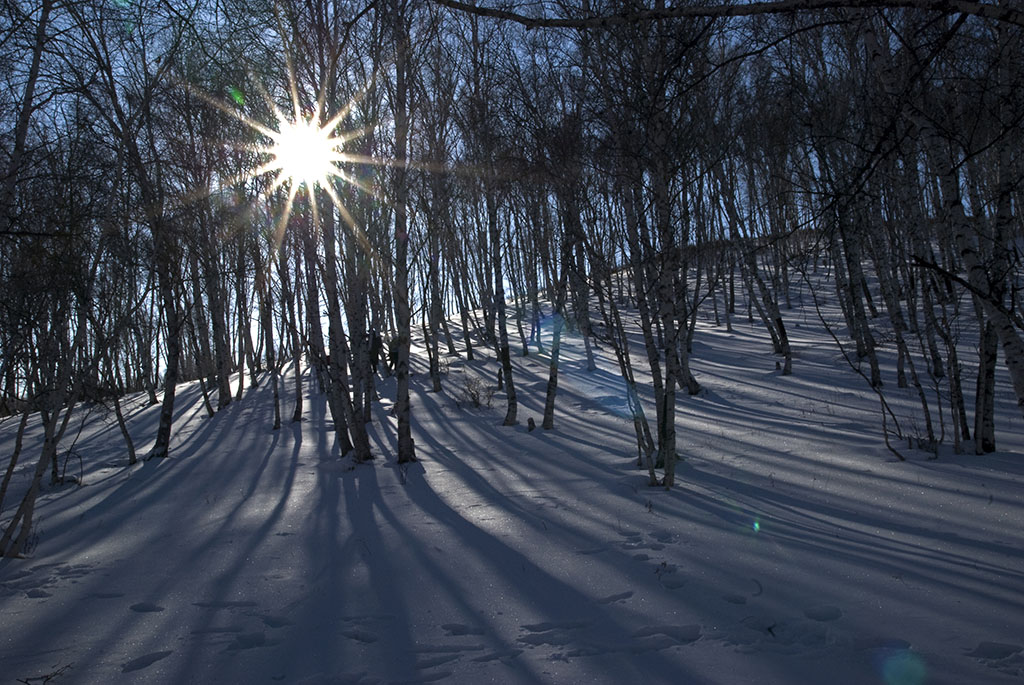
795	549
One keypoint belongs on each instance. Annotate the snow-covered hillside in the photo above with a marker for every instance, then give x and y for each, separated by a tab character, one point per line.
795	548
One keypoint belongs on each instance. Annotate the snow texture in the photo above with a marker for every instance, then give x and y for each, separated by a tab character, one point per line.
795	548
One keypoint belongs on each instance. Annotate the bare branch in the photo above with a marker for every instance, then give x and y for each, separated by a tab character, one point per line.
978	9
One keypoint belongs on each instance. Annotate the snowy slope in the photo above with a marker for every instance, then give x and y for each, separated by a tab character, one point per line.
796	549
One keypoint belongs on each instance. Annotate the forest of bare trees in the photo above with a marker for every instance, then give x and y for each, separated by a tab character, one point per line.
602	157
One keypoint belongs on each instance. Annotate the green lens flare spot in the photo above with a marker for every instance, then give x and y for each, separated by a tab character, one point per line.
237	96
756	526
904	668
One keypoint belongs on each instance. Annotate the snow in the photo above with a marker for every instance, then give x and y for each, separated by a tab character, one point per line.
795	549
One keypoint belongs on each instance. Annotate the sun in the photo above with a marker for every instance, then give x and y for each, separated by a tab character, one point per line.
305	152
302	150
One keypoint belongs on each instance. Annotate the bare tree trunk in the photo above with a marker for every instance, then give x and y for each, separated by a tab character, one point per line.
267	325
345	424
556	346
170	305
955	219
504	355
984	398
403	69
25	110
13	463
290	320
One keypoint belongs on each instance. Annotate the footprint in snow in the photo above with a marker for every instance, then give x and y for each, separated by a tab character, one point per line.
432	661
248	641
509	653
1000	656
592	550
73	571
620	597
36	593
553	625
657	638
672	582
460	629
681	634
667	576
275	621
145	608
993	651
734	599
446	649
558	633
360	635
144	661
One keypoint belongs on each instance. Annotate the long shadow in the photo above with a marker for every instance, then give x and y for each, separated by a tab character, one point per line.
552	598
227	484
834	532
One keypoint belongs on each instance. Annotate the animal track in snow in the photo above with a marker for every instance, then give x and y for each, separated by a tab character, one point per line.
460	629
994	651
1000	656
509	653
666	573
620	597
360	635
591	550
557	633
275	621
248	641
144	661
437	660
554	625
146	607
680	634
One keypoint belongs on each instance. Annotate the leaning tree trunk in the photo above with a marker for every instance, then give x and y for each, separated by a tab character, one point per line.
345	421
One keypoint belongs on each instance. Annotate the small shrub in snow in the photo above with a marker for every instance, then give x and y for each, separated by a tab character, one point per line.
476	393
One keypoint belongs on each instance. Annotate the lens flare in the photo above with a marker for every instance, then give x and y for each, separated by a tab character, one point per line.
305	152
302	149
903	668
